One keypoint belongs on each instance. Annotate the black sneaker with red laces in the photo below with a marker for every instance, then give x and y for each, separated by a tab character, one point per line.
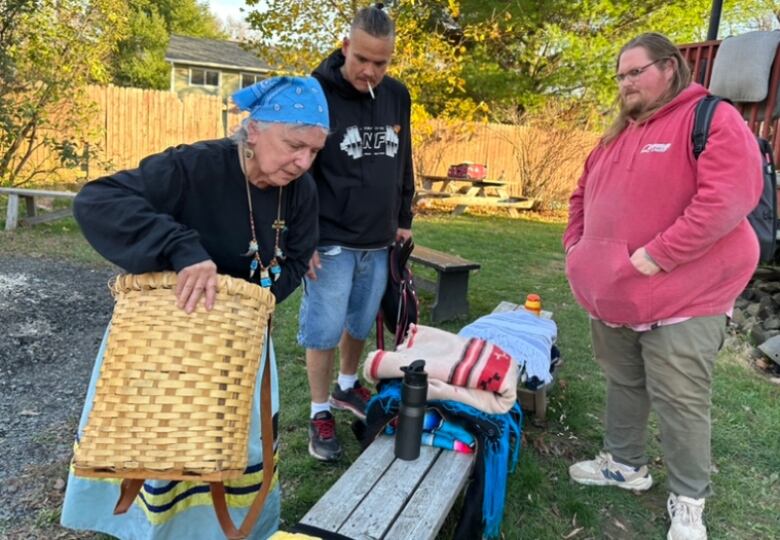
353	400
323	444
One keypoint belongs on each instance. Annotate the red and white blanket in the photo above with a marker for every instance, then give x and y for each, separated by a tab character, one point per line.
472	371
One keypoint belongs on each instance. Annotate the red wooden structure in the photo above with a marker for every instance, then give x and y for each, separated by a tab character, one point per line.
700	56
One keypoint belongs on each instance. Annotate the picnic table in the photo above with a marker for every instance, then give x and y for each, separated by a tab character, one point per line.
465	192
470	187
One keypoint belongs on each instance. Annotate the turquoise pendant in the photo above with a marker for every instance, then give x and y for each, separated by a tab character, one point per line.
265	280
276	270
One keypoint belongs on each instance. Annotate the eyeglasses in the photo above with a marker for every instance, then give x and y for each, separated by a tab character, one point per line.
635	73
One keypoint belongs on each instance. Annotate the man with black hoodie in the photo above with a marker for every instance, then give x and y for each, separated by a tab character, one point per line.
365	183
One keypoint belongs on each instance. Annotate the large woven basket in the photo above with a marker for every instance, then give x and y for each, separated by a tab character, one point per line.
174	396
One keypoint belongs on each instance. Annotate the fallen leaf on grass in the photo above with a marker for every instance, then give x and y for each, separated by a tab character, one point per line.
620	525
540	445
572	534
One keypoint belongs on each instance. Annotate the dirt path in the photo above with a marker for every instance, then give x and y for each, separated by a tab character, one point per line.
52	317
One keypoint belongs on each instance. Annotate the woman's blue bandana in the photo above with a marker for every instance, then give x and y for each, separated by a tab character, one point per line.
286	100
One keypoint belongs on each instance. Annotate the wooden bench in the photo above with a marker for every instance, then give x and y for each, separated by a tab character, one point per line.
382	497
513	204
29	196
452	284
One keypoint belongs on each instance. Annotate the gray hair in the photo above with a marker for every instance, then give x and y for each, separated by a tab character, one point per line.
241	134
374	21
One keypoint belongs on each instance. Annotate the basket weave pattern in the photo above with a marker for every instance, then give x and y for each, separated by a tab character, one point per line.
174	396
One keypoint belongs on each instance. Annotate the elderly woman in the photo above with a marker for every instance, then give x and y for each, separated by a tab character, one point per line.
242	206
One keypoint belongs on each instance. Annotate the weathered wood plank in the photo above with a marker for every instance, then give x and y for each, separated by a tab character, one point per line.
30	203
12	212
387	498
48	216
512	202
426	511
38	193
440	261
338	503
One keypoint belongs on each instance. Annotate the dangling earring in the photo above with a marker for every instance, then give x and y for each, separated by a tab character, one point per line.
248	153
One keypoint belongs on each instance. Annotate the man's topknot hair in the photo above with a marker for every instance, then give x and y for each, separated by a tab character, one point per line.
374	21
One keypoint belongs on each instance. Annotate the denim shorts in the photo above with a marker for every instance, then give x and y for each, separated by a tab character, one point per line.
345	295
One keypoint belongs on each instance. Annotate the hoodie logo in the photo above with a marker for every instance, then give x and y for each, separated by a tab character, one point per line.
370	141
656	147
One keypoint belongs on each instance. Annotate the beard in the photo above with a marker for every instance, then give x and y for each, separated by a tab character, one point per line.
633	109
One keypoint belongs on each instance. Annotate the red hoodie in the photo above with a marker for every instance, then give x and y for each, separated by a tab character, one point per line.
646	189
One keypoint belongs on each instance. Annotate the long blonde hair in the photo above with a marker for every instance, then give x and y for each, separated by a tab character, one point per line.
660	49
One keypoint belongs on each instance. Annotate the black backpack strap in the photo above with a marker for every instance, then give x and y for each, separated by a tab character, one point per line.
705	110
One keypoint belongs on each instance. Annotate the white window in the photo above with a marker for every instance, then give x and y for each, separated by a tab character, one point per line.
204	77
248	79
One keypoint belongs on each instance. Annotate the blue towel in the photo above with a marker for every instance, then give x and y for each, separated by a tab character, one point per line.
498	449
528	339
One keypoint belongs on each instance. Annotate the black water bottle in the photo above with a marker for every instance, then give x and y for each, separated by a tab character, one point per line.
414	394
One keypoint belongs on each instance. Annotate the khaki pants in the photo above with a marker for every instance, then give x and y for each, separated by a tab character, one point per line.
669	369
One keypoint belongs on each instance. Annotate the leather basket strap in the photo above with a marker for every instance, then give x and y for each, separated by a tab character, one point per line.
128	490
267	433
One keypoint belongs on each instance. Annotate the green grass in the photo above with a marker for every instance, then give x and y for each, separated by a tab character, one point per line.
519	257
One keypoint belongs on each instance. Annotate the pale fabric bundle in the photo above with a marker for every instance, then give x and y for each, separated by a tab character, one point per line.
471	371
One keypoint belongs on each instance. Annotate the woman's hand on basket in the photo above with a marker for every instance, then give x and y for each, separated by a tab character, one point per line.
195	281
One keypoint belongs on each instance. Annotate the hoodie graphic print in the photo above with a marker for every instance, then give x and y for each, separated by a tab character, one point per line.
364	174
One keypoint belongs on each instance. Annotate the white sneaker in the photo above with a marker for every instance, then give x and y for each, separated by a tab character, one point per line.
605	471
686	518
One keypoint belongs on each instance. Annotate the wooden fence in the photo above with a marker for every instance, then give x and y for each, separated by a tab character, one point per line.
135	123
535	162
141	122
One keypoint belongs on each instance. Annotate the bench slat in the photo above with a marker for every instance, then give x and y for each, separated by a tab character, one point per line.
511	202
388	497
439	489
49	216
442	262
335	507
38	193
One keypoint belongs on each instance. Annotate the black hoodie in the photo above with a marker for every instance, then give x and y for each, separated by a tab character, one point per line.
189	204
364	174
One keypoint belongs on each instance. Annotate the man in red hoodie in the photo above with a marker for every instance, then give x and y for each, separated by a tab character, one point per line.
657	250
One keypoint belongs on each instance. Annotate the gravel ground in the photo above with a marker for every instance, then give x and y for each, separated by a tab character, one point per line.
52	316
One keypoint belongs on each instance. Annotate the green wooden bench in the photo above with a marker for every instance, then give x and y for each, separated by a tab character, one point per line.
452	283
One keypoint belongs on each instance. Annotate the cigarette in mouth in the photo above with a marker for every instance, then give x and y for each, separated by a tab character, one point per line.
370	90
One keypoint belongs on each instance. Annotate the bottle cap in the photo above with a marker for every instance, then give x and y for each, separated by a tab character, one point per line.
415	373
533	302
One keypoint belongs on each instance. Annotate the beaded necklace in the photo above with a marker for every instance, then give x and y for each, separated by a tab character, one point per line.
273	270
